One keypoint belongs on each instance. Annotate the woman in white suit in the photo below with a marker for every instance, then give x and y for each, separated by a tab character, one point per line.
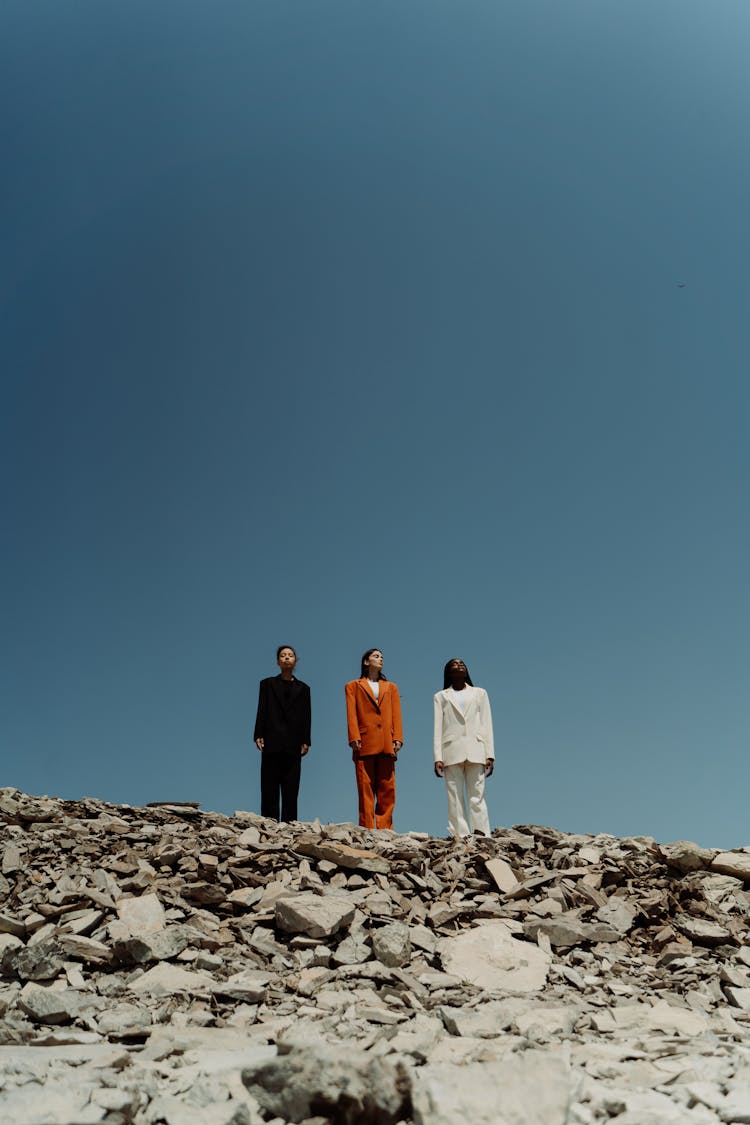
464	749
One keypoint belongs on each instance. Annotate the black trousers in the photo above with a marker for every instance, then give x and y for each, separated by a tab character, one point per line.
279	775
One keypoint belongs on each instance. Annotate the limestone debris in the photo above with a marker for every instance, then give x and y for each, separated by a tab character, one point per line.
168	966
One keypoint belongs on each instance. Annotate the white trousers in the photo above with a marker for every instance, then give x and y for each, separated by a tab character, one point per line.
465	783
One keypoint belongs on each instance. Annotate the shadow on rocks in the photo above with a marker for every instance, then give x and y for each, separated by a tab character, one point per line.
317	1081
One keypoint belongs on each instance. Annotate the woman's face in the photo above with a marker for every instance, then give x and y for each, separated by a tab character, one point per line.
457	670
374	661
287	660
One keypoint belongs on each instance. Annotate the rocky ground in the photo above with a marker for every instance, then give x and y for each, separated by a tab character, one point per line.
165	965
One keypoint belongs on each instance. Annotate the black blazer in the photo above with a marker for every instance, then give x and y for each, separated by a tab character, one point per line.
283	719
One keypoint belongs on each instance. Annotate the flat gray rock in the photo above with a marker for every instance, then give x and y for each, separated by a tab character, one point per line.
732	863
391	944
353	950
343	855
159	945
567	930
49	1005
488	956
617	913
318	916
42	961
249	985
533	1088
484	1021
165	978
701	930
142	915
502	874
684	855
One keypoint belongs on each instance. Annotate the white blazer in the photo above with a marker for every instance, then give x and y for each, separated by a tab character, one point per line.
463	737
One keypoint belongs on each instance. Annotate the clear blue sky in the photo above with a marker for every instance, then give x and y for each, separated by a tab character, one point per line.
358	324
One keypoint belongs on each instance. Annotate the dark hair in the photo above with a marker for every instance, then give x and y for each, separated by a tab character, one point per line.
363	666
447	677
281	648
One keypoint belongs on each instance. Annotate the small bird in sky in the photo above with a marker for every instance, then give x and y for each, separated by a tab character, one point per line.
681	284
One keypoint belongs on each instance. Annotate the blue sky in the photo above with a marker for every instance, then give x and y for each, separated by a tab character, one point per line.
349	325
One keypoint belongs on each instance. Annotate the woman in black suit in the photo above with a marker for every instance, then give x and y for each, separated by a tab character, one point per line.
282	734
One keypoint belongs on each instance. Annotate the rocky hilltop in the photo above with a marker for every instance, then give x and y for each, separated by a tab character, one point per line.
167	965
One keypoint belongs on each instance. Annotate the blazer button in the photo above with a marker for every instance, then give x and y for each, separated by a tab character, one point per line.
379	725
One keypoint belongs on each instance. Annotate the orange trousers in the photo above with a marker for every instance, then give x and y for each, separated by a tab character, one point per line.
376	786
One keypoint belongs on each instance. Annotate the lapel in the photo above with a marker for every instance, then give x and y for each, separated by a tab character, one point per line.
369	693
281	695
457	710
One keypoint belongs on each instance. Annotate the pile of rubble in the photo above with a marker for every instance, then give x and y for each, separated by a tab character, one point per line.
165	965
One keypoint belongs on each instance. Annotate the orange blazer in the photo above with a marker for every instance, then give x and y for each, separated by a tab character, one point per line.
374	723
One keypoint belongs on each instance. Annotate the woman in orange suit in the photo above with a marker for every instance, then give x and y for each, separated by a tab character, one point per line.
373	715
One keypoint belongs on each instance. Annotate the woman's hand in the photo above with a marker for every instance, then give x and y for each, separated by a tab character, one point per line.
303	749
489	767
260	744
356	746
396	747
439	769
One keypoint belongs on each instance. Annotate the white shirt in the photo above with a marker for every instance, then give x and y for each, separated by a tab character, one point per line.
375	687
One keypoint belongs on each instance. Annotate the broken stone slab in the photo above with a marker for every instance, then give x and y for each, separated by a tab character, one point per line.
11	860
485	1021
441	913
319	916
248	985
50	1005
567	930
142	915
685	856
732	863
701	930
179	1111
161	945
491	958
165	978
80	921
353	950
39	811
423	938
204	894
391	944
418	1038
676	1021
245	896
738	996
721	889
350	1088
542	1021
531	1088
11	925
735	1106
378	1013
123	1018
9	947
618	913
55	1101
42	961
730	974
674	951
343	855
84	949
502	874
